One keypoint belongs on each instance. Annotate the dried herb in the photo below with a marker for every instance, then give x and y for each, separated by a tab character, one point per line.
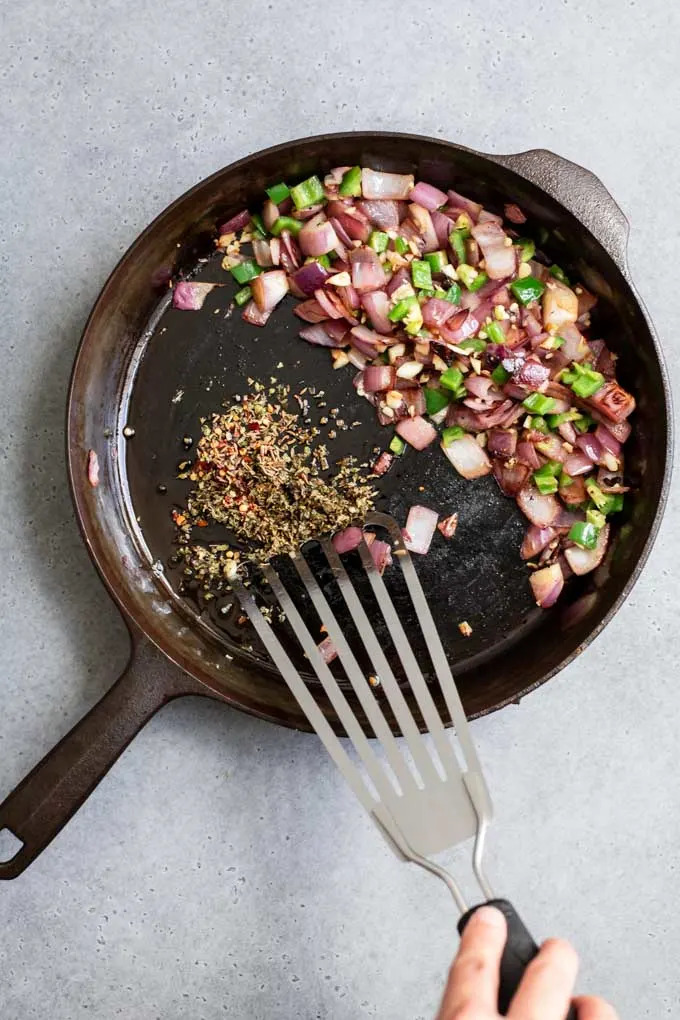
262	473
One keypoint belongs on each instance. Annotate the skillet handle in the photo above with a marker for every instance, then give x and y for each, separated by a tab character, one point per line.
520	950
579	191
50	795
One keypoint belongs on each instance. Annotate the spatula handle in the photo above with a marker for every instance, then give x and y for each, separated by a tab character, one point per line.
520	950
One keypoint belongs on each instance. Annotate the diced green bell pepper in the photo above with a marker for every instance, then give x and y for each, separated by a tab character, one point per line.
559	274
401	245
378	241
527	248
258	223
402	308
500	375
278	192
397	445
473	345
457	242
596	518
287	223
245	271
306	193
242	296
437	260
452	378
453	294
421	274
584	534
435	400
539	403
350	185
527	290
495	333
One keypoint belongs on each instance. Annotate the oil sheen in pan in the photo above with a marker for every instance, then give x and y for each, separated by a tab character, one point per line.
190	362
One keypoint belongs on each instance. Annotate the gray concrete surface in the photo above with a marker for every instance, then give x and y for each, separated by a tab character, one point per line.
222	869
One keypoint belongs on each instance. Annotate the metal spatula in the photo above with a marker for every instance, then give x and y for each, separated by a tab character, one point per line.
445	801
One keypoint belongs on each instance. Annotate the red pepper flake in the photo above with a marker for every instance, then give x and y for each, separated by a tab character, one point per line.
178	518
448	526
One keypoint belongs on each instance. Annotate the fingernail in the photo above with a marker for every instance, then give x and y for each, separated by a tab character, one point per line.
490	916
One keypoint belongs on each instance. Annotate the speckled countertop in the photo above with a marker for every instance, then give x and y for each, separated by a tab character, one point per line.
222	869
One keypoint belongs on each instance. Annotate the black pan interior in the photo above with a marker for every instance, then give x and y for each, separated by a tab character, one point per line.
189	362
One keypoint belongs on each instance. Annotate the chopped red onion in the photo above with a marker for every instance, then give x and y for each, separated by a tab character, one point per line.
269	288
547	584
589	444
317	237
338	330
417	432
468	457
326	302
256	316
483	386
423	224
461	326
577	463
381	554
262	252
189	296
319	336
378	184
612	401
510	477
378	378
443	226
383	214
270	214
502	443
568	432
398	280
541	510
310	277
535	541
310	311
343	236
466	205
426	195
290	252
607	441
575	347
499	258
345	541
376	304
421	525
437	311
367	270
532	374
237	222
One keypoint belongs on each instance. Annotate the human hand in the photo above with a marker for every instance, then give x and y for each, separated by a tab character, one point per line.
543	994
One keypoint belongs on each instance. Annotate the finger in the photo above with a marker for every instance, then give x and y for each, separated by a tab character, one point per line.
474	975
590	1008
545	990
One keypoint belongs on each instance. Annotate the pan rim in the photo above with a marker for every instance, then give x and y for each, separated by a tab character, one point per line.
86	516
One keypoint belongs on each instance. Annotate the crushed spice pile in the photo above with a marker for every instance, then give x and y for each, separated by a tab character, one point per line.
261	472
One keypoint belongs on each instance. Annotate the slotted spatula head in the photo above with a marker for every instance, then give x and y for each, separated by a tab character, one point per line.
425	792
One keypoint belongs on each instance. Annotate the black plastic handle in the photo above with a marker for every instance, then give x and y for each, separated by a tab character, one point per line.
520	950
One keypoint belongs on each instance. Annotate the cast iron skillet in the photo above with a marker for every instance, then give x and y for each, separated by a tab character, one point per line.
158	369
